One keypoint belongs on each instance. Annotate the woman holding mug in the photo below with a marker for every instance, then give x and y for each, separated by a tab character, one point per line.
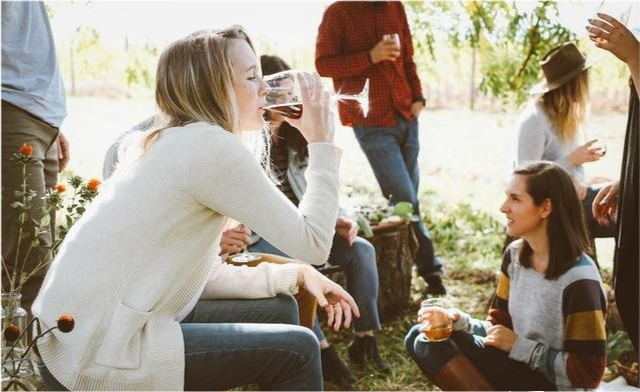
545	329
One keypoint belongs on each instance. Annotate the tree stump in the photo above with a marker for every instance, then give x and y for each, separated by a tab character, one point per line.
396	248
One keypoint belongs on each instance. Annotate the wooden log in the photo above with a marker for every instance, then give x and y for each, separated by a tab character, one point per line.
396	247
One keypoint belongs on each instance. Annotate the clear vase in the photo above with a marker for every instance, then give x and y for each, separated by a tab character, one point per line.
17	368
14	317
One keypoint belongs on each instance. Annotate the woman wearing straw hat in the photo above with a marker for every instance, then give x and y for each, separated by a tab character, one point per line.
551	127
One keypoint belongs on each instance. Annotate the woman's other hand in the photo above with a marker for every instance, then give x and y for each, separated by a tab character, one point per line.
317	123
605	205
453	313
585	153
500	337
609	34
338	304
234	240
347	229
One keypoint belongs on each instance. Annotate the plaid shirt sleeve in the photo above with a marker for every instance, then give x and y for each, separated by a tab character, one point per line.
330	61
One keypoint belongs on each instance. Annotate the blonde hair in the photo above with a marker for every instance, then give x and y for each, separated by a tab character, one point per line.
194	81
567	106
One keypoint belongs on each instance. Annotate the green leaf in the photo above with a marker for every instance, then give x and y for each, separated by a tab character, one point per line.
363	224
403	209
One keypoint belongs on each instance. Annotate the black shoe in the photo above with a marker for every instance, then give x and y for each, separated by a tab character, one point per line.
333	369
435	287
364	349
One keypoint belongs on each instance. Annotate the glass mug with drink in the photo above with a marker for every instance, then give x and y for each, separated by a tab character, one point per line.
284	93
395	37
435	319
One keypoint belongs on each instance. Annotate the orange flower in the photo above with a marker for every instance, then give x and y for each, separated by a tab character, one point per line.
11	333
66	323
94	184
26	149
61	188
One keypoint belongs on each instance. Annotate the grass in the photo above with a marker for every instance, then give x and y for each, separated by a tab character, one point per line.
465	161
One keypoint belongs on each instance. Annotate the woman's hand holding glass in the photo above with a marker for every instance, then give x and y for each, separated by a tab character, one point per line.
338	304
608	33
591	151
436	318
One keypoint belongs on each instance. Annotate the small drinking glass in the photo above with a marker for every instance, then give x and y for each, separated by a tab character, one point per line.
600	141
395	37
436	324
284	93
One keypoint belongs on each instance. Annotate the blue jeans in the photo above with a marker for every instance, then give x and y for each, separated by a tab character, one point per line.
504	373
359	261
229	343
393	156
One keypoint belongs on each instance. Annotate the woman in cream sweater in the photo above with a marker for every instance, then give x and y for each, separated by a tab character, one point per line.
133	268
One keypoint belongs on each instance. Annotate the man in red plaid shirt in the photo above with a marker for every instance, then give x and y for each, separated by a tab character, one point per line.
350	48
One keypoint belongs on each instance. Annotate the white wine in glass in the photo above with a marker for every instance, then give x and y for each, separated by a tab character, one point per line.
284	93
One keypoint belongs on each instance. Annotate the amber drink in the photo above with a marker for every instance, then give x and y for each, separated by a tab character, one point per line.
435	320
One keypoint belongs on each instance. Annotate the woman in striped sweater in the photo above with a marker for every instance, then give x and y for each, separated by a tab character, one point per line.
545	328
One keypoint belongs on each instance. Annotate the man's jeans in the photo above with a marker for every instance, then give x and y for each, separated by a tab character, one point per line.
229	343
393	156
359	261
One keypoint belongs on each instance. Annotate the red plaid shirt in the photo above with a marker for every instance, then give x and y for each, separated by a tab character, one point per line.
349	29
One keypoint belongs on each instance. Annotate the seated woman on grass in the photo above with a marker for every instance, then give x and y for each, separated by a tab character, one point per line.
545	328
136	268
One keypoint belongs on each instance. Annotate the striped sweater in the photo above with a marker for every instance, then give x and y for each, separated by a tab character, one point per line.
560	323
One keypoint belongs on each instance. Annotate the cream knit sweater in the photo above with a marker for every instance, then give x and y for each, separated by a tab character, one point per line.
150	241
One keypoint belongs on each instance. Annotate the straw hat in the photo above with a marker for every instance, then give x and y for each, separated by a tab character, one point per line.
559	66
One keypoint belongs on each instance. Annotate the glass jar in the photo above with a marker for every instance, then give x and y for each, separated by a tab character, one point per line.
11	313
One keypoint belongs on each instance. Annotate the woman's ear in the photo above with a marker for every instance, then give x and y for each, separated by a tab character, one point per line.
546	209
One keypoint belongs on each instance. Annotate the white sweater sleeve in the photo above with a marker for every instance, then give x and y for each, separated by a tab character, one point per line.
225	177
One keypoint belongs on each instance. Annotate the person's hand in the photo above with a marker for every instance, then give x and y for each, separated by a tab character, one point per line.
385	50
605	205
234	240
331	297
500	337
63	152
317	123
585	153
347	229
416	108
453	313
609	34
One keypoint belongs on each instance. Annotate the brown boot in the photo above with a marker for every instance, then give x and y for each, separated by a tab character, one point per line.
460	374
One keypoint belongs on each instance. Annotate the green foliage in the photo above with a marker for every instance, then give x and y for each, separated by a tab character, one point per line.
510	40
467	238
618	343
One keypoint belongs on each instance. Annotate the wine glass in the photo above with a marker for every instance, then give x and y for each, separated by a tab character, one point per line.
245	256
284	93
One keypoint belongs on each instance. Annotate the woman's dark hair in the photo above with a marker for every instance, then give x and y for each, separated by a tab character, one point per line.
293	137
566	230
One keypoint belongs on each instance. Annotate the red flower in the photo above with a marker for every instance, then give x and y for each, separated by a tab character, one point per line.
66	323
26	149
93	184
61	188
11	333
